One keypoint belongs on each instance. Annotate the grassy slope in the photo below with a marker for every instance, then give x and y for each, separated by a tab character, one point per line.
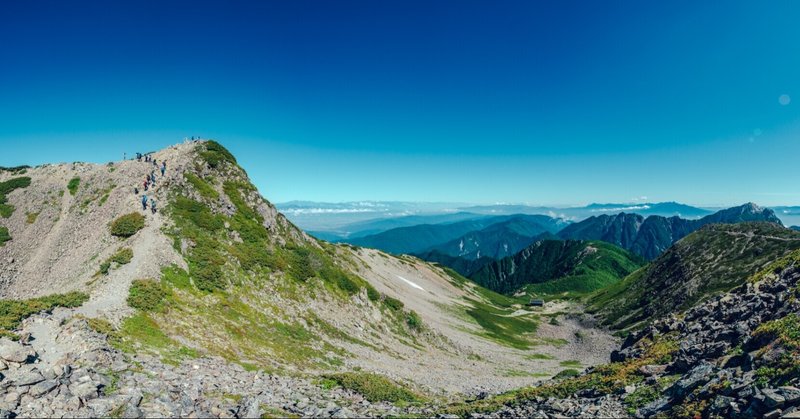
564	269
713	259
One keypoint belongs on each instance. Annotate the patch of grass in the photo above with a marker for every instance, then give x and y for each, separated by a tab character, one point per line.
141	332
13	312
123	256
502	328
642	396
375	388
539	356
4	236
202	187
570	363
73	185
7	187
215	154
127	225
146	295
567	373
30	217
176	277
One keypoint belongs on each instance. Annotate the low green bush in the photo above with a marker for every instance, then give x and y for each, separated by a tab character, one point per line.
567	373
205	190
4	236
374	388
413	320
13	312
123	256
6	187
392	303
127	225
215	154
73	185
146	295
372	293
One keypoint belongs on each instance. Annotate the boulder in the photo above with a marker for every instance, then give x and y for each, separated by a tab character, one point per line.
13	351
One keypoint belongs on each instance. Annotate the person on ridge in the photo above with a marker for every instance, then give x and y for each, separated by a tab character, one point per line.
163	168
153	205
144	202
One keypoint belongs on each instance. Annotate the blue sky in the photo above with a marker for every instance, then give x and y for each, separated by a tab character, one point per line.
534	101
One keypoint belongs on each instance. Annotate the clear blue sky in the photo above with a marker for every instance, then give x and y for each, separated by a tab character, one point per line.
550	102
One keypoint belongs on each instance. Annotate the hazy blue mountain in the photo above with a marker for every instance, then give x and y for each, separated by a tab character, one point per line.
465	267
651	236
331	216
501	239
795	228
375	226
789	215
665	209
559	268
421	238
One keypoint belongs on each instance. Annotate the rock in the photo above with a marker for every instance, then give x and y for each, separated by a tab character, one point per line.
698	376
773	414
790	394
43	387
648	370
772	398
13	351
29	378
86	390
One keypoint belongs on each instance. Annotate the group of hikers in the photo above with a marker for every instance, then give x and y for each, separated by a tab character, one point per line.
149	180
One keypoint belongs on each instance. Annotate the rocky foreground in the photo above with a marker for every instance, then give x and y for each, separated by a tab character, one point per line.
736	355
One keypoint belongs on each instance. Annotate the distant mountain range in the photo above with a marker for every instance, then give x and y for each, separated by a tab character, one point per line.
557	267
713	259
346	220
651	236
453	238
796	228
503	238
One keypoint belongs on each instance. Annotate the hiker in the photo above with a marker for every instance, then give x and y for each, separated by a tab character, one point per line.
135	190
153	205
144	202
145	186
163	168
138	156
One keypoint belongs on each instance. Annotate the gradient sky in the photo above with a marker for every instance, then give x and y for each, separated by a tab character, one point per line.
545	102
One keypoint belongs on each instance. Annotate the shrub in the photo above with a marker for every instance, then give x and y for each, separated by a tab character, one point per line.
6	187
123	256
301	264
567	373
413	320
373	387
146	295
340	280
4	236
372	293
127	225
215	154
13	312
73	184
393	303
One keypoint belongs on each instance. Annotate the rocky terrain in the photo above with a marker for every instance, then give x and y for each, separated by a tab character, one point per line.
736	355
216	305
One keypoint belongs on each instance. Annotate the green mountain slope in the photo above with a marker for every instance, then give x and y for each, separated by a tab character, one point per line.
565	268
713	259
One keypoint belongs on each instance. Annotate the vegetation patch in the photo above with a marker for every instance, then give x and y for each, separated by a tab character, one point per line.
73	185
202	187
499	326
127	225
146	295
13	312
4	236
607	379
375	388
123	256
215	154
7	187
30	217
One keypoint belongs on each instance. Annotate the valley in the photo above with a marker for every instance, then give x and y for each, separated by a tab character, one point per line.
216	304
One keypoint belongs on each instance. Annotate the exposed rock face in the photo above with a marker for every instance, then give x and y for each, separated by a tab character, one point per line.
651	236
